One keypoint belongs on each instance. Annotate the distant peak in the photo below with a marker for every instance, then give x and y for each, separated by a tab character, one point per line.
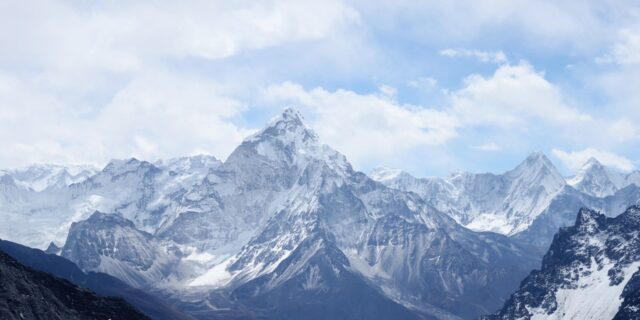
53	248
536	160
537	156
591	163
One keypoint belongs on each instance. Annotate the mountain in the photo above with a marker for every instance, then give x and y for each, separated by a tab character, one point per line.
529	203
40	177
597	180
591	271
561	213
111	244
101	283
285	228
504	203
30	294
142	192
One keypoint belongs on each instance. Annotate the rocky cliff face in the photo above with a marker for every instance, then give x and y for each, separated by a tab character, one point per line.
30	294
590	272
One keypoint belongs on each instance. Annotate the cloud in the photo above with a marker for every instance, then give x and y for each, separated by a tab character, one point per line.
515	106
425	83
576	159
388	91
153	116
365	127
513	96
89	81
483	56
625	51
123	35
491	146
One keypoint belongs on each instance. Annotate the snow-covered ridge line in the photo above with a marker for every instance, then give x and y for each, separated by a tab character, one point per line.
591	270
509	203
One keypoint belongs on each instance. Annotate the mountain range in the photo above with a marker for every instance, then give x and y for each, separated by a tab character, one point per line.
529	203
285	228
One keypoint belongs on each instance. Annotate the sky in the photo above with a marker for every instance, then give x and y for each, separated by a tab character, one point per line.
431	87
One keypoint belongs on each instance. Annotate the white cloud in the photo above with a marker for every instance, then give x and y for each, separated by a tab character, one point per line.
491	146
90	81
123	35
388	91
626	50
86	81
365	126
575	159
514	95
484	56
154	116
581	25
426	83
515	106
622	130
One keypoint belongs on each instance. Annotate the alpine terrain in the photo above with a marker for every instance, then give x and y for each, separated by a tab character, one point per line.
591	271
529	203
285	228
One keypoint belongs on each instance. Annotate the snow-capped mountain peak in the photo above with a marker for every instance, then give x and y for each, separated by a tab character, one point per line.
537	165
286	141
597	180
288	127
535	171
504	203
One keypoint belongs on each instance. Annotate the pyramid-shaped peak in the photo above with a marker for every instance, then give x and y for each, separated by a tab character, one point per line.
538	169
537	156
292	114
536	161
289	126
592	162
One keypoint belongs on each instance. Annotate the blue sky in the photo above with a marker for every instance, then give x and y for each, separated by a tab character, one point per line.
426	86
